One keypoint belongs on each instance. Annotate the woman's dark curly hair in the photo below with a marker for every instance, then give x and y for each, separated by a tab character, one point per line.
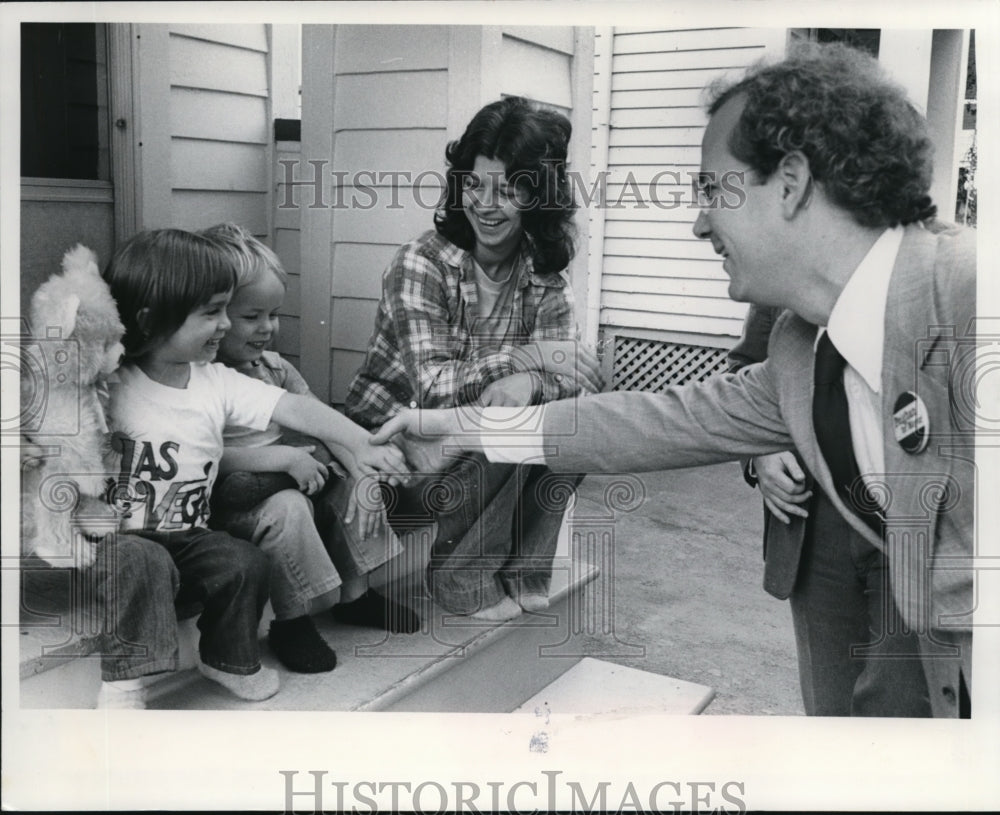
531	141
866	143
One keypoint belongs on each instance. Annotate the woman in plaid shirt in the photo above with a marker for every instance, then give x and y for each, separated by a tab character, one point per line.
479	311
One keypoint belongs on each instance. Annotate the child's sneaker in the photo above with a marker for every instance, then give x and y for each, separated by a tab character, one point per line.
123	694
255	687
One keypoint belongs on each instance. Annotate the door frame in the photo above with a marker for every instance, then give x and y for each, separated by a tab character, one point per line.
123	107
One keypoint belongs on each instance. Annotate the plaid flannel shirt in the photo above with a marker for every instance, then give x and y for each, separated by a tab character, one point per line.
425	351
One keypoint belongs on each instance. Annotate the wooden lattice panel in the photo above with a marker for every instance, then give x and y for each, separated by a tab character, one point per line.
649	365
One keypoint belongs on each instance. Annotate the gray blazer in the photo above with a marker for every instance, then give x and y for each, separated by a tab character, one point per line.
765	408
783	543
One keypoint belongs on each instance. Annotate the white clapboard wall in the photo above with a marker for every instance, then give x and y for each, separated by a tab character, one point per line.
209	94
656	280
219	125
398	95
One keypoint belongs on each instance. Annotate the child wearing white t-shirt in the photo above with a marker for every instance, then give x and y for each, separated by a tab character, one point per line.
168	411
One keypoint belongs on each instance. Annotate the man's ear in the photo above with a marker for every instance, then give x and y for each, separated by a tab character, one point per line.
796	181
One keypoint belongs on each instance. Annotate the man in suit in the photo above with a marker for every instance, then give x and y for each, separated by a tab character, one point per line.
813	188
834	580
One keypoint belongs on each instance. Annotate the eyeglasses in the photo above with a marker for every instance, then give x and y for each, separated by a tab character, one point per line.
707	193
704	191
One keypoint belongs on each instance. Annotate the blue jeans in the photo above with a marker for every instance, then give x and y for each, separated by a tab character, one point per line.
308	546
498	526
352	555
228	577
855	656
282	527
135	589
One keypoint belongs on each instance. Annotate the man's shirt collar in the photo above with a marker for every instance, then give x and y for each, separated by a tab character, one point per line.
857	322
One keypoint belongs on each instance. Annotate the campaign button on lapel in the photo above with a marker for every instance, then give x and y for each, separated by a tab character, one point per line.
910	423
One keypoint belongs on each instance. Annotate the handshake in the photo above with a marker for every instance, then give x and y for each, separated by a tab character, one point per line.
430	439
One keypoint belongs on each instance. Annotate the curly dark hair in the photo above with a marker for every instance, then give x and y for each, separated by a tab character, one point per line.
867	145
532	142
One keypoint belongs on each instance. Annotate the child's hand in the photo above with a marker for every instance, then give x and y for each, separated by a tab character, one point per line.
368	506
387	461
430	438
361	459
336	468
309	474
515	390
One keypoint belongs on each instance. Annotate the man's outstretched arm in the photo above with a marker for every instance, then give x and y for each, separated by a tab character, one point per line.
717	420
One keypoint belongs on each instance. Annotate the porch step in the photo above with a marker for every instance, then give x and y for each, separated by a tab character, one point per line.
453	663
59	643
593	687
73	682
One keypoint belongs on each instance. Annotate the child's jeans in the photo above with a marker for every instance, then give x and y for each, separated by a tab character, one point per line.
228	577
282	527
351	555
307	566
135	589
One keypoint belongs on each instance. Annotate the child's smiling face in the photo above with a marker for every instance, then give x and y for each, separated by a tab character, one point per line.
253	312
198	338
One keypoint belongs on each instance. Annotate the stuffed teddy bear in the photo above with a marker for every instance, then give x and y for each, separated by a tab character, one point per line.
75	342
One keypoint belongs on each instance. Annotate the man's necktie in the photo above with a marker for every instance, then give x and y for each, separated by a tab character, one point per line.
832	423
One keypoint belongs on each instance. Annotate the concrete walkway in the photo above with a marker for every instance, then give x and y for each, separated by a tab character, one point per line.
686	587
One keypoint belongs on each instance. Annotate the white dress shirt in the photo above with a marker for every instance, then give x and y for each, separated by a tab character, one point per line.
857	329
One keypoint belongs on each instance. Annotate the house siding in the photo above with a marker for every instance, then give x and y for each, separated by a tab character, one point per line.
400	93
219	125
656	278
390	106
206	99
286	245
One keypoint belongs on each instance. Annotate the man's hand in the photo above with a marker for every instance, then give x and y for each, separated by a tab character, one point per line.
516	390
429	438
426	456
782	482
563	358
362	459
419	424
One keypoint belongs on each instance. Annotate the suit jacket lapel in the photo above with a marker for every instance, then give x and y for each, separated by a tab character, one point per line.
910	316
916	484
912	329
